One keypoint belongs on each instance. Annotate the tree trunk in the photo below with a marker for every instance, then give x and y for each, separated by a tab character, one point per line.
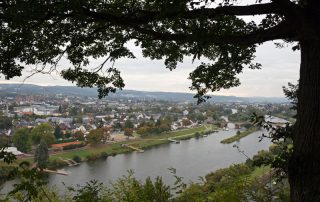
304	166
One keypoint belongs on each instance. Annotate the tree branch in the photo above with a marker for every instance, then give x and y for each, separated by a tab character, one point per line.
281	31
143	17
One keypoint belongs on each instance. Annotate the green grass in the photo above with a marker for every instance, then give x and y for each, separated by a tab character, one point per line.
111	149
237	137
173	134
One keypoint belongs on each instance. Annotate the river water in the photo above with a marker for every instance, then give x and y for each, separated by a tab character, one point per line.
191	158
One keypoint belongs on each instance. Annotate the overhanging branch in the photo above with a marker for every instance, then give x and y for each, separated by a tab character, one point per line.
143	17
281	31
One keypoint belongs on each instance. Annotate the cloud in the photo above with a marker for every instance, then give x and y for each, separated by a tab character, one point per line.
280	66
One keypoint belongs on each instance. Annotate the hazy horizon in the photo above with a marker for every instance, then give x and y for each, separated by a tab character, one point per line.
279	66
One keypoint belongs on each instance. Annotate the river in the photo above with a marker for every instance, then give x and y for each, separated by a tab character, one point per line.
191	158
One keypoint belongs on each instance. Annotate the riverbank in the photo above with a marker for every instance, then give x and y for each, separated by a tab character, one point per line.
239	136
142	143
191	159
91	153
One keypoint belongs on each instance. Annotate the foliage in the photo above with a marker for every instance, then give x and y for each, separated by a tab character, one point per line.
4	141
222	177
186	122
282	137
104	155
128	124
21	139
7	158
291	92
128	132
30	179
193	193
5	175
228	184
30	183
56	163
73	146
41	155
43	131
58	133
247	125
126	188
92	191
96	136
5	122
130	189
262	158
79	135
40	33
151	128
76	158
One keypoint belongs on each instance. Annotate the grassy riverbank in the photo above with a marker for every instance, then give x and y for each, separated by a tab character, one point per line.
100	151
237	137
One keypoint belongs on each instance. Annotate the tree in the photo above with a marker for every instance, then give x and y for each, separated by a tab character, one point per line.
21	139
128	124
186	122
43	131
43	32
57	132
128	132
4	141
41	155
5	122
95	136
79	135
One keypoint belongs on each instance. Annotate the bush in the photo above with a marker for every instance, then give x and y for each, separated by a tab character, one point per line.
262	158
93	157
247	125
5	174
56	163
76	158
73	146
104	155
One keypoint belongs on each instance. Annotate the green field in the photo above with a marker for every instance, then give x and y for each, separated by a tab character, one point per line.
237	137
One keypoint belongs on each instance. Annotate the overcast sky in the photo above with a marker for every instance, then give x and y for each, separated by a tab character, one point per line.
279	66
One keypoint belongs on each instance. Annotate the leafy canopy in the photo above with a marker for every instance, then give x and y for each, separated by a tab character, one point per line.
41	33
43	131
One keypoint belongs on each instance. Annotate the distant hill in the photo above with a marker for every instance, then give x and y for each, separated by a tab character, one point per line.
24	89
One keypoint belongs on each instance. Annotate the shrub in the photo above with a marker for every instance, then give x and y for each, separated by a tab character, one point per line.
56	163
104	155
76	158
262	158
92	157
73	146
